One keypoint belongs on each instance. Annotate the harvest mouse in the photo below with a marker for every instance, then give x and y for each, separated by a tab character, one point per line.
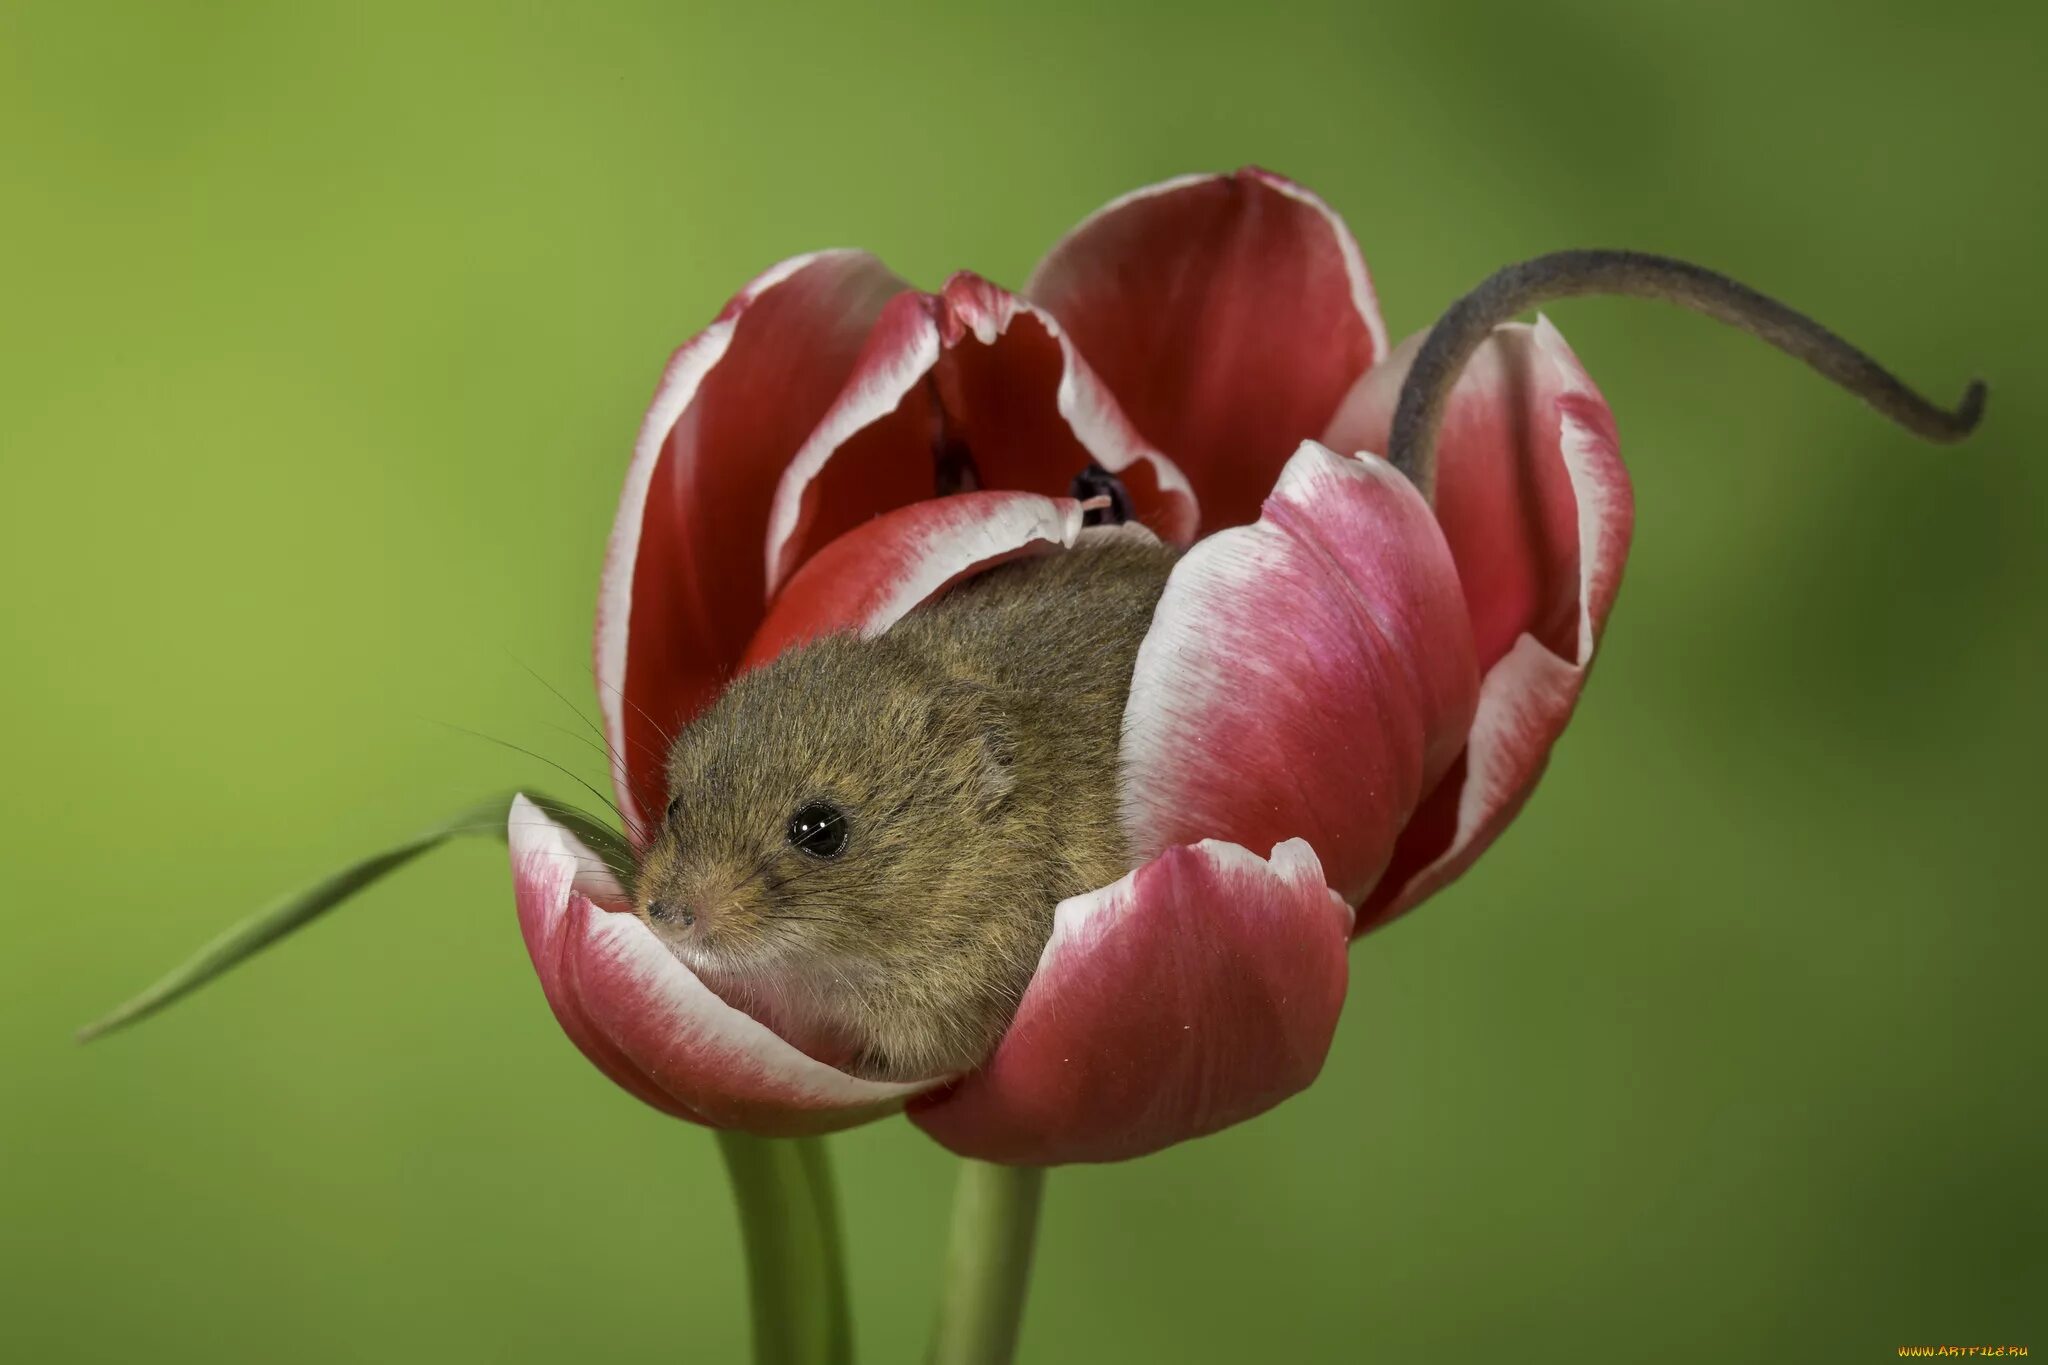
867	837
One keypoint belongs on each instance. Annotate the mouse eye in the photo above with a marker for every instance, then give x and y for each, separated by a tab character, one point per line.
819	829
675	804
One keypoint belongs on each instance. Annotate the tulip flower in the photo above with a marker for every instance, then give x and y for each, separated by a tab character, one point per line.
1348	690
837	448
1399	561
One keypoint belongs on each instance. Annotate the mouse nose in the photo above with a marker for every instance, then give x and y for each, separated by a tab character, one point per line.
673	912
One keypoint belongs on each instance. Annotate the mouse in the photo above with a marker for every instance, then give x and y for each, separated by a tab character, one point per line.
866	837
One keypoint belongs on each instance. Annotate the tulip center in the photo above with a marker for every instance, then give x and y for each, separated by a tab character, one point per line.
953	467
1097	482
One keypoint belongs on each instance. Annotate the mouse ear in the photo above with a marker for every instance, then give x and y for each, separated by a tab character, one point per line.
972	744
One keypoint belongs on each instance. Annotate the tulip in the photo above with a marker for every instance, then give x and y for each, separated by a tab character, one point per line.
1344	695
1351	685
1347	692
1398	565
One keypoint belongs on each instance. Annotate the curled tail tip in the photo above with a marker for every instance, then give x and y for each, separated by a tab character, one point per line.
1951	426
1970	411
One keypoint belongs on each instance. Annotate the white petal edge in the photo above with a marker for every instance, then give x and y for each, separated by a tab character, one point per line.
1081	922
1107	434
1364	299
680	380
874	397
1594	493
1024	522
1530	680
565	863
1163	688
1088	409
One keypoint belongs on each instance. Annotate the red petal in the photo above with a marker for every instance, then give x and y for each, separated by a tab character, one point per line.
1308	675
682	589
870	577
974	368
1536	505
1229	314
1200	990
647	1021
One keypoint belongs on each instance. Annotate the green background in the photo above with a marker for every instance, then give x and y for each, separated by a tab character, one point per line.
326	332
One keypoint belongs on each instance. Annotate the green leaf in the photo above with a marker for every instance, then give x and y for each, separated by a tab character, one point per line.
258	931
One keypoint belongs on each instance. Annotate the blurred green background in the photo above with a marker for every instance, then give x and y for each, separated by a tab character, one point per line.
326	332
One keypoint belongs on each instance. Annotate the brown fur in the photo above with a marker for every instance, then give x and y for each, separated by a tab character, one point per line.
974	748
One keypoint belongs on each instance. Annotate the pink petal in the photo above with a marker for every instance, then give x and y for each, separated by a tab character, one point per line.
1536	505
647	1021
1229	314
1308	675
1200	990
977	369
682	591
867	579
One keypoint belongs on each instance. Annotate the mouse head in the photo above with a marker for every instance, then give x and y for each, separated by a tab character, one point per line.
822	813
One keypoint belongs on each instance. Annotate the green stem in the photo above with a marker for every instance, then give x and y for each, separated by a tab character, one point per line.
988	1264
789	1220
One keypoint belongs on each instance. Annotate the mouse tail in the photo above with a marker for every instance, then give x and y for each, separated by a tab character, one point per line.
1419	413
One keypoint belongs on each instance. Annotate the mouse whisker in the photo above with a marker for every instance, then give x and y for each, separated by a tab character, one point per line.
611	752
659	756
527	824
563	697
597	867
667	740
801	874
564	769
625	871
580	738
500	826
560	694
761	870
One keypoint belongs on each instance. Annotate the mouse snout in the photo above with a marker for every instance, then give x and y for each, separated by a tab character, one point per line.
675	910
697	906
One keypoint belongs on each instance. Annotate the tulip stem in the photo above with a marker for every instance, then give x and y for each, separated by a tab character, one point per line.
789	1220
988	1264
